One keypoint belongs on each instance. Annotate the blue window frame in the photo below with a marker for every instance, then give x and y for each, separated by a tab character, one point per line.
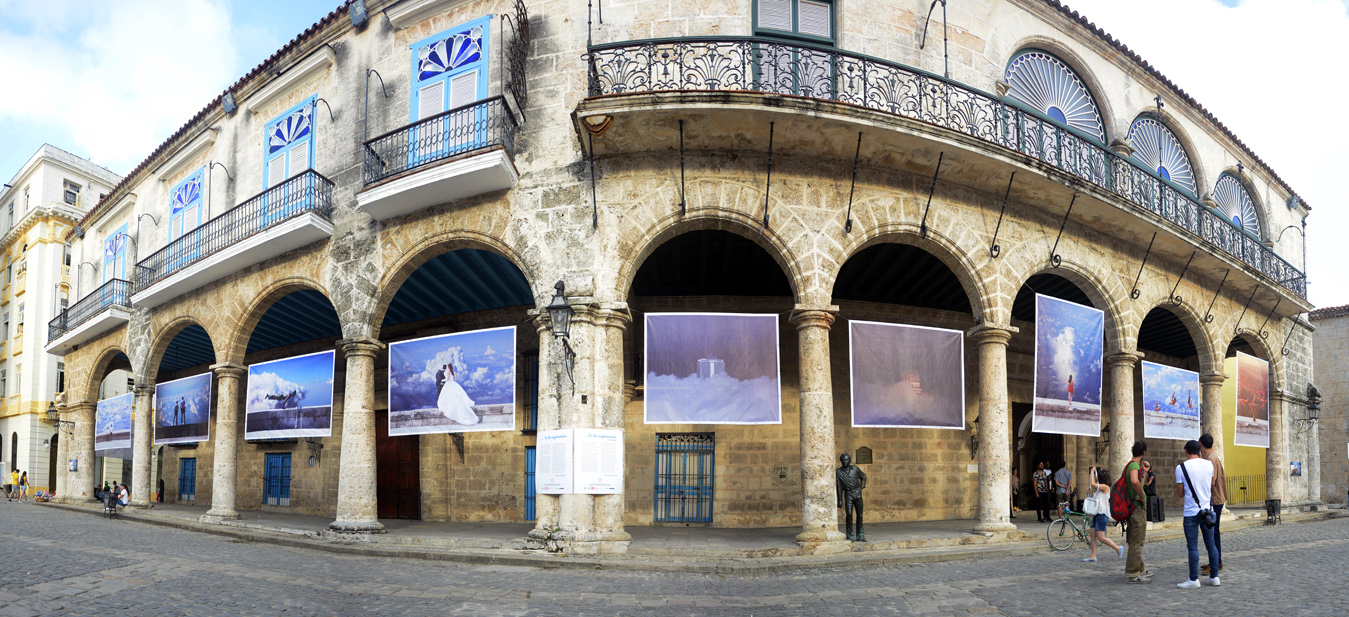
187	479
114	255
530	496
449	71
186	203
277	480
288	150
810	20
685	469
531	391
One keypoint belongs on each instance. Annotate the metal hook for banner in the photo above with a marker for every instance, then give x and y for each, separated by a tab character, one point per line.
847	224
922	226
1135	293
1175	299
330	108
1208	317
768	185
594	198
1054	258
1264	336
995	249
683	201
1237	329
1291	327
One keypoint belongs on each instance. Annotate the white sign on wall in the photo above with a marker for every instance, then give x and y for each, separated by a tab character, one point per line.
553	468
579	461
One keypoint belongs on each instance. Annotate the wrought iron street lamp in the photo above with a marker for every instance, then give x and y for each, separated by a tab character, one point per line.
974	438
1302	425
54	416
1104	443
559	315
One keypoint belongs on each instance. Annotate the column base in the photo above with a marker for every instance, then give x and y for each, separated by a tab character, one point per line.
994	526
823	542
599	543
550	540
357	527
217	517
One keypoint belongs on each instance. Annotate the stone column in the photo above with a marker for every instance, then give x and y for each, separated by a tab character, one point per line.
1121	404
63	437
356	505
226	441
1084	457
546	506
994	490
1211	407
1276	457
82	479
612	321
141	439
819	501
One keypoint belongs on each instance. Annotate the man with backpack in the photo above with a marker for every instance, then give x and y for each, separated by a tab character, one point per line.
1137	516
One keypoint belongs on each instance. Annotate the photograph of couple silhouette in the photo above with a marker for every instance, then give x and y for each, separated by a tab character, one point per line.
183	410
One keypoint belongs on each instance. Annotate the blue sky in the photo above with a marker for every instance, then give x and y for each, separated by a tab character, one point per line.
114	414
194	390
1160	382
484	363
109	81
1069	341
311	376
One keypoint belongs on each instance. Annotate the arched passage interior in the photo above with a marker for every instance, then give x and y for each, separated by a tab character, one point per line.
437	465
184	411
1246	417
115	380
1164	339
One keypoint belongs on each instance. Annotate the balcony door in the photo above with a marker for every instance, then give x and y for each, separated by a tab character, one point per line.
449	72
289	152
114	255
185	212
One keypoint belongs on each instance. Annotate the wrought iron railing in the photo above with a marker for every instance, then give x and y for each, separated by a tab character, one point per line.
773	66
307	191
515	55
116	292
483	124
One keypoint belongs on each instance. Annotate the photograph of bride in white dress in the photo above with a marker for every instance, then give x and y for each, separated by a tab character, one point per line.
453	383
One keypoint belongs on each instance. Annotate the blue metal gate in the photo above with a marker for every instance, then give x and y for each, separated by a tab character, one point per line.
530	498
684	473
277	491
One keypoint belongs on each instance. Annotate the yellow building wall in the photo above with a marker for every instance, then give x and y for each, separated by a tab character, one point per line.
1237	460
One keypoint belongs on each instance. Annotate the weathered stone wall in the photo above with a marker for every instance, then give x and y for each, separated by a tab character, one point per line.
1331	345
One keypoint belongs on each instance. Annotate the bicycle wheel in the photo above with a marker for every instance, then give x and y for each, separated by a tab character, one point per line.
1061	535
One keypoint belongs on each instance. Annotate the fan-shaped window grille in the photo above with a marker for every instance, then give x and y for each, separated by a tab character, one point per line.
1236	205
1157	148
1047	84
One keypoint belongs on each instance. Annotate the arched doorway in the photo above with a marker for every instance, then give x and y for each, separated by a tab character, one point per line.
1167	418
184	407
52	460
1246	420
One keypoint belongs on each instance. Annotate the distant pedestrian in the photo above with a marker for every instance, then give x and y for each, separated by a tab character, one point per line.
1063	479
1016	489
1150	497
1137	530
1218	496
23	487
1040	480
12	486
1100	486
1194	483
124	496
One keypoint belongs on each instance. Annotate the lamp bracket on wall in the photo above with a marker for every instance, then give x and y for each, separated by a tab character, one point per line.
330	109
1208	317
1237	328
1176	299
995	249
847	223
1135	293
768	185
1054	258
215	164
1264	336
922	225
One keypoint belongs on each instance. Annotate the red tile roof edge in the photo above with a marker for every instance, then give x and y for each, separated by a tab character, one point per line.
1328	312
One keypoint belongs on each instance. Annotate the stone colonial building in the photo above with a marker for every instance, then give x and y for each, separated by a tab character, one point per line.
415	168
1331	342
41	202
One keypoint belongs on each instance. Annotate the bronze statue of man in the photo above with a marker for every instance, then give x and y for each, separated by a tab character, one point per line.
849	484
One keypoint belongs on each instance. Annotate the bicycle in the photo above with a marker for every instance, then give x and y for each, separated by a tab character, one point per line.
1059	537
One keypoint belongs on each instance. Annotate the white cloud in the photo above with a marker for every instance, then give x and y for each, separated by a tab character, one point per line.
119	77
1271	71
263	384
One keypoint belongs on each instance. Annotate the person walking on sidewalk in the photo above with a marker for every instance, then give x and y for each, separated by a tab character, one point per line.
1137	533
1194	481
1218	497
23	487
1040	480
1063	479
1016	490
1101	492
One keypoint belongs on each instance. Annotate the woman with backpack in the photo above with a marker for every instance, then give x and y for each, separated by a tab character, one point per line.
1101	495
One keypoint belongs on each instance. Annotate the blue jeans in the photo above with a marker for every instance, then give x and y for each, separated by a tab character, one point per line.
1192	530
1218	533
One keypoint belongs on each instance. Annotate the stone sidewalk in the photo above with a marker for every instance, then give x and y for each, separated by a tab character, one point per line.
665	548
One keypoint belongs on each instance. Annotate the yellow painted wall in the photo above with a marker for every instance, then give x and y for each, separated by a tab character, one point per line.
1237	460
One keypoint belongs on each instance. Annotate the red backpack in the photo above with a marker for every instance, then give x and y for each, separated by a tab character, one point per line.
1120	504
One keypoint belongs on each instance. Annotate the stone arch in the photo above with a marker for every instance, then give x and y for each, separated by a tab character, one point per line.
1120	332
165	337
736	223
235	345
937	244
1104	105
432	246
95	375
1194	324
1263	351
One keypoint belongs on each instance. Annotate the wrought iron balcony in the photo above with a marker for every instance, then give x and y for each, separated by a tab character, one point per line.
114	293
481	125
306	192
773	66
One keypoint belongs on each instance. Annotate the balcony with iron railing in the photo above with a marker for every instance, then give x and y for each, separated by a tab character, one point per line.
103	309
821	97
459	153
295	213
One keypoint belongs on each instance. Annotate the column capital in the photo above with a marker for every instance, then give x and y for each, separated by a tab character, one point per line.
80	406
143	390
229	369
986	333
1279	395
806	316
1215	378
1124	358
361	346
614	315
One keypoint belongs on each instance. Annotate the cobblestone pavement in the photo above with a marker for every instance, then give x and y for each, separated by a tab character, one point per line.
54	562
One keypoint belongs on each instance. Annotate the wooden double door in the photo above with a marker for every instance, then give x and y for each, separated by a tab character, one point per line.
398	472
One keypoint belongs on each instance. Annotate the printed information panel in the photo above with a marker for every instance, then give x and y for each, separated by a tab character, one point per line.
553	469
599	461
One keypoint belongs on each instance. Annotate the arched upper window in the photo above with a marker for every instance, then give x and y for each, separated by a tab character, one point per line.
1236	205
1157	148
1050	86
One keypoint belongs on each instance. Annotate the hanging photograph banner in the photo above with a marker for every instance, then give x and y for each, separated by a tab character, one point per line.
1170	402
291	397
183	410
1252	425
1069	347
712	368
453	383
112	426
906	376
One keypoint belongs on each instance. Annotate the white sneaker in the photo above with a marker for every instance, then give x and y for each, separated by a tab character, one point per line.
1189	585
1214	582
